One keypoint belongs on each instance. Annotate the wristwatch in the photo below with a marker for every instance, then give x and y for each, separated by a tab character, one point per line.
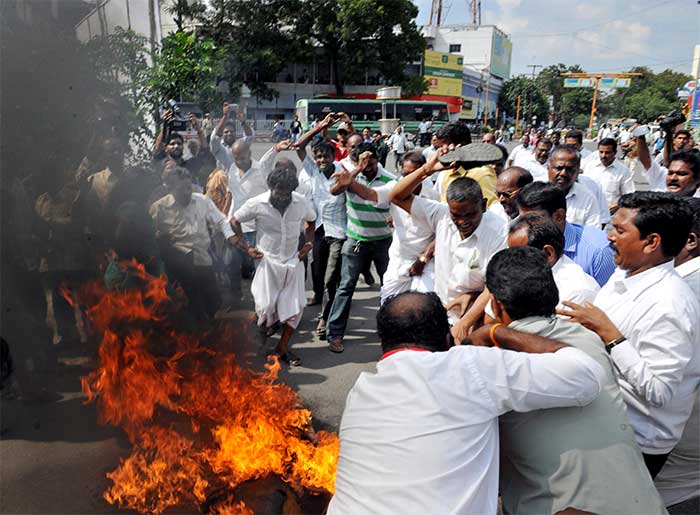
610	345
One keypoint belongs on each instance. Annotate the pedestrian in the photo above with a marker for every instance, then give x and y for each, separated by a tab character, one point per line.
581	206
280	214
295	128
466	237
610	173
399	145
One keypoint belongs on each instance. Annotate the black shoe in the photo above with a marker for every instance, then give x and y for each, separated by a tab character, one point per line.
369	278
313	302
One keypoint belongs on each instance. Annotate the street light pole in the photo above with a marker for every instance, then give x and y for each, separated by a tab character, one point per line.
529	91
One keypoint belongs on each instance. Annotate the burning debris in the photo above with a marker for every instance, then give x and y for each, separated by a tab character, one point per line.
203	427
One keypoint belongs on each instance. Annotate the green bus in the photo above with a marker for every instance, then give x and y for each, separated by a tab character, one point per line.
367	112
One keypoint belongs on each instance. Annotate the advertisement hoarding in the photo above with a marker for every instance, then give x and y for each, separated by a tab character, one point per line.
444	73
500	55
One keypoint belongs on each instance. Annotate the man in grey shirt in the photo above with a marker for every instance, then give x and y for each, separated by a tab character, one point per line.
582	458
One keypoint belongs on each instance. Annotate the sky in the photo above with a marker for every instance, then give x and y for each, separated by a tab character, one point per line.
600	35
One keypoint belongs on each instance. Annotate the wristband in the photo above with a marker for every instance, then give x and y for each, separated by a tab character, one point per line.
492	334
423	259
611	345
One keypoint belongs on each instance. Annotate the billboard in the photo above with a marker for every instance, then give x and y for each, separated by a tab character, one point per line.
444	73
605	83
500	55
579	83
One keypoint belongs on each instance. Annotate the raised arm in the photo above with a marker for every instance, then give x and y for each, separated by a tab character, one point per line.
402	194
163	135
219	131
305	138
345	180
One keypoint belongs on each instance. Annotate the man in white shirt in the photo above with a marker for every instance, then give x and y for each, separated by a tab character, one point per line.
181	220
679	480
508	186
537	162
421	435
646	316
578	460
399	145
331	224
466	237
278	286
613	176
540	232
575	139
581	205
224	136
411	251
521	152
429	151
247	178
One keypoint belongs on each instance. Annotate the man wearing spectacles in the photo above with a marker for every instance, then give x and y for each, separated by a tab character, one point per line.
508	187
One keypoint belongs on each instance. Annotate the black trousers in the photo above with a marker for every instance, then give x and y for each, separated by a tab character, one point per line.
325	269
654	462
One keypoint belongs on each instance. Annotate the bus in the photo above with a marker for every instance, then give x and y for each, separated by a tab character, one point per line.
367	112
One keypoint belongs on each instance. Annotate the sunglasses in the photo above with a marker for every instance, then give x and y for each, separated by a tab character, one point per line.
507	194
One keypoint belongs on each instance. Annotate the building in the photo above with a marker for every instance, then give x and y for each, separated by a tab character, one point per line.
486	53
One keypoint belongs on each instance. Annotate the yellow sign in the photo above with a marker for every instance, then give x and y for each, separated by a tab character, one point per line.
444	73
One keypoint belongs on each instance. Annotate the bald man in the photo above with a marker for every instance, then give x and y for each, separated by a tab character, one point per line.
247	178
508	186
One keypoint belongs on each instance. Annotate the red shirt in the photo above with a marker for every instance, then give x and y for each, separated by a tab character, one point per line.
340	152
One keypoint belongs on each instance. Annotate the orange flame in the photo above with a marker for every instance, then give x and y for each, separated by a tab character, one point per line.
193	414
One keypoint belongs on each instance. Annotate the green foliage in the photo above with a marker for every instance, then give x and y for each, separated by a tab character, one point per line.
375	33
186	69
119	64
648	96
567	103
532	100
259	38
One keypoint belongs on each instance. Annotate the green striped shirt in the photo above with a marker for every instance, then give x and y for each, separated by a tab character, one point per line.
367	221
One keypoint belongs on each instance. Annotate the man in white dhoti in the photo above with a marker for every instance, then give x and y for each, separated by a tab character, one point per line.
278	285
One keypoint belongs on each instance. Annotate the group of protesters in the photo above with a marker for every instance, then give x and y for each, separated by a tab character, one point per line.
554	292
570	282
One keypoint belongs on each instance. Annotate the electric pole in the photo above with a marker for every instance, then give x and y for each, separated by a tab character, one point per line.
436	12
529	92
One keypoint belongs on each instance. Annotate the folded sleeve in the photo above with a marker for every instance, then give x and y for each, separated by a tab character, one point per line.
654	367
518	381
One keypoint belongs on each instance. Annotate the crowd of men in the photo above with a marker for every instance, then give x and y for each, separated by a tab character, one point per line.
569	280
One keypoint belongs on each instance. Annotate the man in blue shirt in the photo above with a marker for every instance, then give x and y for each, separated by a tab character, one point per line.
587	246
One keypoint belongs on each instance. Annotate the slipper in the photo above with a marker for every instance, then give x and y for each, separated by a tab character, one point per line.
336	345
291	359
482	153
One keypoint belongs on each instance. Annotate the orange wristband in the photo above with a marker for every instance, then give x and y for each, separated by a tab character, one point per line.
492	334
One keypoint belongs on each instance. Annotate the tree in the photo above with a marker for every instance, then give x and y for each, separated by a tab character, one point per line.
532	100
648	96
119	65
259	39
186	68
358	34
567	103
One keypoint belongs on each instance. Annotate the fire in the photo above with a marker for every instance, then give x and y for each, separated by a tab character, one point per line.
197	419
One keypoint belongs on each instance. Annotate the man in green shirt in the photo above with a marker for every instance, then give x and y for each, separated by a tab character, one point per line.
368	231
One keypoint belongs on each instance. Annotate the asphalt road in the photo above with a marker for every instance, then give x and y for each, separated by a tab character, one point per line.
55	456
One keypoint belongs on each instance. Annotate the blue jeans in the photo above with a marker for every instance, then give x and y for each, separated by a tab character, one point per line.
357	256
